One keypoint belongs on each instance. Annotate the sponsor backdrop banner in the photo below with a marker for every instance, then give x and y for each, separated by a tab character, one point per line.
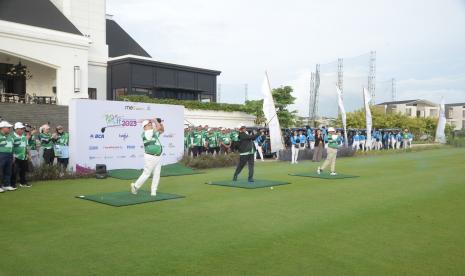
109	132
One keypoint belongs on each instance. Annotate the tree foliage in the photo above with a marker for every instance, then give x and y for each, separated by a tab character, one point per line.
282	97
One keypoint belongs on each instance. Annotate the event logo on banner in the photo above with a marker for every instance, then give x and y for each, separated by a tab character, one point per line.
110	133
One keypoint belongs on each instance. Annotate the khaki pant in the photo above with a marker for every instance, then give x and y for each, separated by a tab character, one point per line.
330	158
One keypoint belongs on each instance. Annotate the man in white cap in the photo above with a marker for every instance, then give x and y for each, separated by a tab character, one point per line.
331	152
246	151
6	156
21	156
152	157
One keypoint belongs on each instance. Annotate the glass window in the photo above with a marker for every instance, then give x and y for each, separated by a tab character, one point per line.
141	91
119	92
206	98
92	92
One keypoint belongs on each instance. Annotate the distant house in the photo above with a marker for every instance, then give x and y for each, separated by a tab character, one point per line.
412	108
455	115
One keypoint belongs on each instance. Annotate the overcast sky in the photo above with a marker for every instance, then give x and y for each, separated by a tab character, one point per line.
420	43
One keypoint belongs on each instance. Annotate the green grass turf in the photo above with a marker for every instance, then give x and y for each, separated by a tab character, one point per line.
323	175
126	198
242	183
167	170
405	216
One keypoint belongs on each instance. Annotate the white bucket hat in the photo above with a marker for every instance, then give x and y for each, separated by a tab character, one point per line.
5	124
331	129
19	125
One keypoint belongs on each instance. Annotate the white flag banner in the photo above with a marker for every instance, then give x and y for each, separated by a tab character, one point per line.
440	134
269	110
368	119
340	102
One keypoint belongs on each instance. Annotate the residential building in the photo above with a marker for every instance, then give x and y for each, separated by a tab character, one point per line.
455	115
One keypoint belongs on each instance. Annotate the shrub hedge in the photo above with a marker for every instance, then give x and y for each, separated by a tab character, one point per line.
211	161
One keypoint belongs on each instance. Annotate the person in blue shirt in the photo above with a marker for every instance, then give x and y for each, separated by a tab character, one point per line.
392	140
398	140
362	141
311	138
295	143
259	143
386	140
356	141
303	140
340	139
410	139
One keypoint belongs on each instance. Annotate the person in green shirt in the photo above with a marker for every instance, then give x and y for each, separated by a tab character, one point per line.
46	143
187	141
331	151
152	157
6	156
235	140
61	147
212	142
197	141
31	135
225	142
21	156
405	139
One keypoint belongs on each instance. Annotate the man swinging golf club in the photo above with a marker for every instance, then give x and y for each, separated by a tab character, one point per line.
331	152
152	157
246	151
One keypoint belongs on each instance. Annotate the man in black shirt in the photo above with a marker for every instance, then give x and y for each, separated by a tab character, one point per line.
247	152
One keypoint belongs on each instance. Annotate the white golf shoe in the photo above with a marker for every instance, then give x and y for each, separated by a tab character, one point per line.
333	173
133	189
318	171
1	190
153	194
9	188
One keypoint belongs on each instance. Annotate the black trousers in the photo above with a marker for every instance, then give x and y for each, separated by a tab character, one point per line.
197	150
19	168
63	162
212	150
245	159
49	156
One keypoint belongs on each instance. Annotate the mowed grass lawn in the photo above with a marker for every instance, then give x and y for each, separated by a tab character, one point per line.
404	215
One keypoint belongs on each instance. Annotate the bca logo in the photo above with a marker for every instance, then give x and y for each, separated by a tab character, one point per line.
97	136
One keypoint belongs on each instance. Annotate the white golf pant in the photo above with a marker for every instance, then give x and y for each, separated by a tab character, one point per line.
152	164
260	151
295	154
35	158
356	145
312	144
362	143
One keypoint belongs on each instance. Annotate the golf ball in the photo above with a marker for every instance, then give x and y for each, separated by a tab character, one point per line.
271	188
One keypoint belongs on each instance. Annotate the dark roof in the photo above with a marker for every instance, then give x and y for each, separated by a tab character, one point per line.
455	104
397	102
120	43
149	62
38	13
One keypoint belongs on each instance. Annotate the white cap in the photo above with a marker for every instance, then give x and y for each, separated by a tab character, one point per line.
19	125
5	124
145	122
241	125
331	129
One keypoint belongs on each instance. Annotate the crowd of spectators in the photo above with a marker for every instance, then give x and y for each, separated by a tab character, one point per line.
23	148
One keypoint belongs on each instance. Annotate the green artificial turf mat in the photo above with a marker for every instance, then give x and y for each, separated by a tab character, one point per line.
324	175
258	183
126	198
168	170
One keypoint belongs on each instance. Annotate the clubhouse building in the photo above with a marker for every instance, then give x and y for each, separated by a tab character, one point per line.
52	51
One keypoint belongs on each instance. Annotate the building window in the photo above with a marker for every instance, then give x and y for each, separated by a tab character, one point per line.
119	92
463	113
463	125
141	91
206	98
408	111
92	92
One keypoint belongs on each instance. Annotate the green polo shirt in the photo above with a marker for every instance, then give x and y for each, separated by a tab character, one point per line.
225	138
235	136
63	139
197	138
212	140
332	142
46	141
6	143
19	146
152	146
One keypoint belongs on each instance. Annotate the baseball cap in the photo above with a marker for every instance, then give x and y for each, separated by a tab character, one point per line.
5	124
331	129
19	125
241	125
